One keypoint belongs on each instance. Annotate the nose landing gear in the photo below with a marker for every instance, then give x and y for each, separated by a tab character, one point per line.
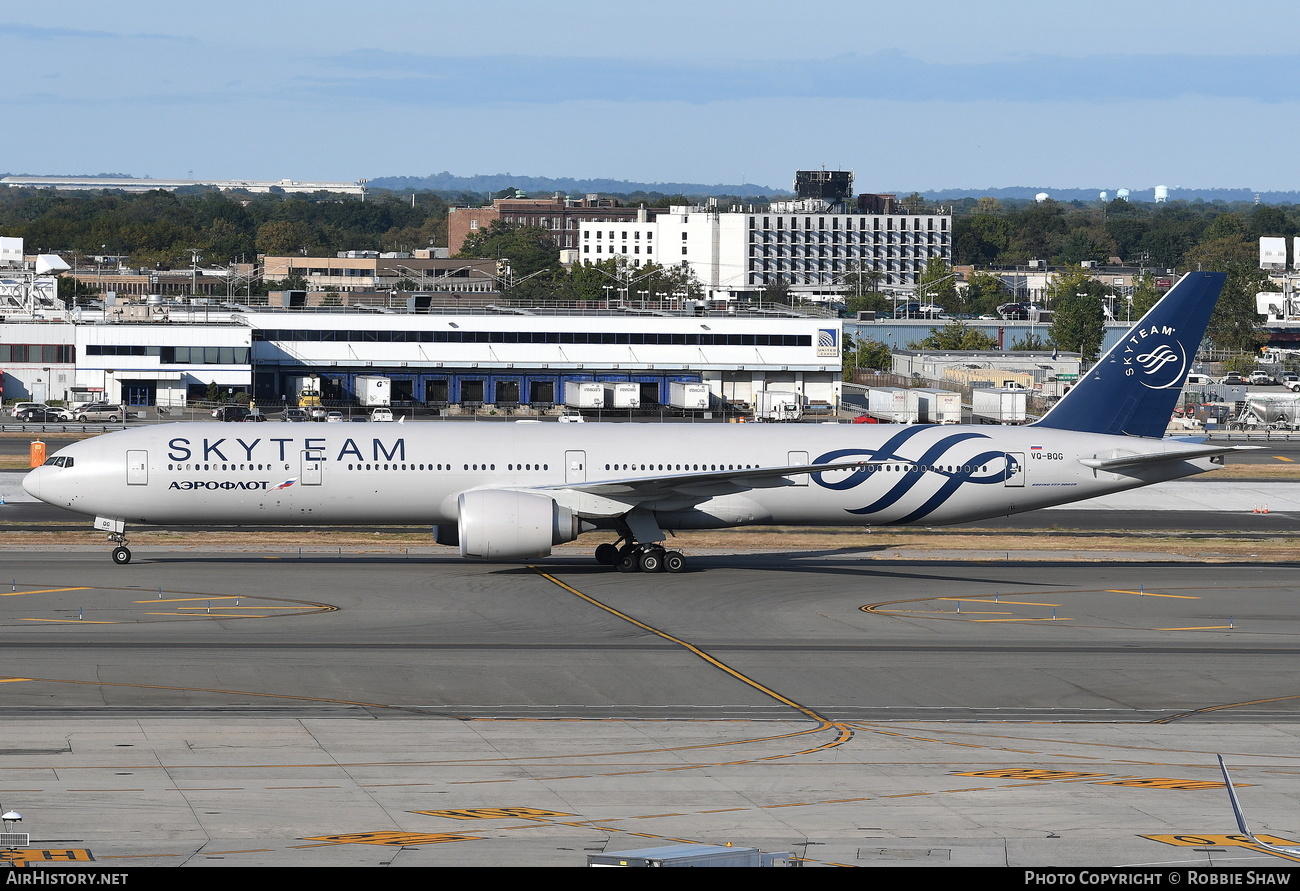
121	553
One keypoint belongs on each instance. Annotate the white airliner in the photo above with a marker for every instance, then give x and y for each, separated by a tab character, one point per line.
1286	850
509	492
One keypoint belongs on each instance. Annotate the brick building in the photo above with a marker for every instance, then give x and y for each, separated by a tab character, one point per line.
559	214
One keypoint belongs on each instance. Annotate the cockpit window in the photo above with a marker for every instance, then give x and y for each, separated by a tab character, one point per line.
59	461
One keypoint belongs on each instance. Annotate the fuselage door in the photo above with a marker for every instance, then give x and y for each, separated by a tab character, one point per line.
137	467
797	458
575	467
1015	469
312	462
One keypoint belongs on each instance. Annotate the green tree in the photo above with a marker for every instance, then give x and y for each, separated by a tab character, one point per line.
72	291
776	291
984	293
528	249
1235	324
1078	317
1145	296
955	336
1030	342
938	285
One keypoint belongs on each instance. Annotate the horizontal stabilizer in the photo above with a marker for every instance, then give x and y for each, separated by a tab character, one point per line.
1125	461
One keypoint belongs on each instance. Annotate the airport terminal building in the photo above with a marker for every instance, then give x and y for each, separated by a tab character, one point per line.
464	361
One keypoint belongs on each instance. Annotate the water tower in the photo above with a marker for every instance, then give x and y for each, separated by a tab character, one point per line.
1162	194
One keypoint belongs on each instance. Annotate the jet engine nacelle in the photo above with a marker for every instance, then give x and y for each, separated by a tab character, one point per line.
502	524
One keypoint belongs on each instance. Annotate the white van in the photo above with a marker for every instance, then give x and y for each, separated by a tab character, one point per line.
1198	380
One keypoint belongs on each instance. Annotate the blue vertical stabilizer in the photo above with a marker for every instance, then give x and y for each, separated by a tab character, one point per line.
1133	389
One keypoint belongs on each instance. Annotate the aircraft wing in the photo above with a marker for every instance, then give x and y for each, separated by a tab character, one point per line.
1122	462
678	490
1289	850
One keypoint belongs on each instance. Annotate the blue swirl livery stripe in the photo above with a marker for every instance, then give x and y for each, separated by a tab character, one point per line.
889	451
950	486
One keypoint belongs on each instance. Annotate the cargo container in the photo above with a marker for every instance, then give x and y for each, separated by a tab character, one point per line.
997	405
688	396
372	391
621	395
584	394
937	406
897	405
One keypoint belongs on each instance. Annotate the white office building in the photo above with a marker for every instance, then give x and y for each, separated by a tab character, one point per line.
813	250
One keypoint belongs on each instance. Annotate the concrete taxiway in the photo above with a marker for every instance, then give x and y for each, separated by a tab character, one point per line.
250	707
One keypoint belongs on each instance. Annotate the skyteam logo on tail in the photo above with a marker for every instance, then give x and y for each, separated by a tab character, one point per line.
1155	357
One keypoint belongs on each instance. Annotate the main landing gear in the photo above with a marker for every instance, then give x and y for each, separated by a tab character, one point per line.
634	557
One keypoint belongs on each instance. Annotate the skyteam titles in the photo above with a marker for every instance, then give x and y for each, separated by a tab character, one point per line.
280	448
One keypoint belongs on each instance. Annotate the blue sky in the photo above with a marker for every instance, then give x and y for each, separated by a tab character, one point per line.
935	94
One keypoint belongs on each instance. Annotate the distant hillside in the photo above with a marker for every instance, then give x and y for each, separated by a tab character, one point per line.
1175	194
543	185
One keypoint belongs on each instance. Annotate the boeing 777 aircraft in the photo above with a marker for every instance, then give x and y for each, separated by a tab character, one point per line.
509	492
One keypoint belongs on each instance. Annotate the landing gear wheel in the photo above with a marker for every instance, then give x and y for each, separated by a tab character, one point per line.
121	555
628	563
652	560
607	554
674	561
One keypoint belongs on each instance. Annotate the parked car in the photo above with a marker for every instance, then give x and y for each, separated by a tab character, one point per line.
1259	378
231	413
253	416
43	414
334	417
918	311
1232	377
20	407
1016	311
295	415
101	411
317	412
382	414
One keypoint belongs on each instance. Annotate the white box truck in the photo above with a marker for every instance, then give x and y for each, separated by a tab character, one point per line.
895	405
372	391
777	405
621	394
937	406
688	396
998	405
584	394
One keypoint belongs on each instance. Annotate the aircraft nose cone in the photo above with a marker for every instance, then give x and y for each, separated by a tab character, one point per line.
32	483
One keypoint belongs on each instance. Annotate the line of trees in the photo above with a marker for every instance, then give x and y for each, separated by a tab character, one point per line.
160	229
